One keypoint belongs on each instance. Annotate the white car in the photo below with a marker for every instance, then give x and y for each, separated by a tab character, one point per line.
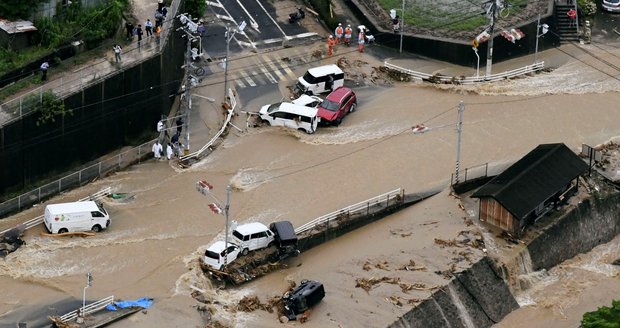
216	254
308	101
252	236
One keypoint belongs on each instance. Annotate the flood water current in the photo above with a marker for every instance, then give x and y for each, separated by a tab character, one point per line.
155	241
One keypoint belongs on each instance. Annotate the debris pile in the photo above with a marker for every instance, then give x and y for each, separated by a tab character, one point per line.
411	266
367	284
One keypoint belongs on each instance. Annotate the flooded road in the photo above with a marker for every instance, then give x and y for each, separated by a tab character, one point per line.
155	240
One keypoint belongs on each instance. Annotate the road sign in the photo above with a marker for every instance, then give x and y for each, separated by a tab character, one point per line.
89	279
242	26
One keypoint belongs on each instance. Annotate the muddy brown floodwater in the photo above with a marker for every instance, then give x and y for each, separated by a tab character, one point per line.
276	174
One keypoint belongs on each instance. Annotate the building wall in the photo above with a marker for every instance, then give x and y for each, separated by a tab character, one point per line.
495	214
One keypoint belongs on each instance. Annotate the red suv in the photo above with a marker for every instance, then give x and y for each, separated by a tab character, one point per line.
338	103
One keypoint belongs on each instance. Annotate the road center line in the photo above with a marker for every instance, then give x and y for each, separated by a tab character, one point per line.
273	20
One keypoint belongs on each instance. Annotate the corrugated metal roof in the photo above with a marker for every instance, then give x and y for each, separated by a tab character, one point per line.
18	26
534	178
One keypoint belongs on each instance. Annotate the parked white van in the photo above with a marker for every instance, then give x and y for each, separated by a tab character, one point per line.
290	115
320	79
77	216
252	236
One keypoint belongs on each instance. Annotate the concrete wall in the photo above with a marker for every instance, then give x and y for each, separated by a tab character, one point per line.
460	51
476	297
595	221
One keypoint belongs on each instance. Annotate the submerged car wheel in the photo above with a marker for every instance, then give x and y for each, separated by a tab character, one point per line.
245	251
96	228
63	230
353	107
338	121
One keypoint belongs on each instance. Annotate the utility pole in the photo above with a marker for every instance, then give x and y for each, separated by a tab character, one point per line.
204	188
226	210
459	129
189	28
230	33
492	13
89	283
402	26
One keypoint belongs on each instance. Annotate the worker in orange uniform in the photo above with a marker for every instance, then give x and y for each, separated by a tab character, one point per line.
330	45
339	31
361	39
347	35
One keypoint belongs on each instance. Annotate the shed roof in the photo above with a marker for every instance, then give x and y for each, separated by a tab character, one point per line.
534	178
18	26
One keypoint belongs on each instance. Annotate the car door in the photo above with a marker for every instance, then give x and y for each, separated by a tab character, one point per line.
344	106
278	119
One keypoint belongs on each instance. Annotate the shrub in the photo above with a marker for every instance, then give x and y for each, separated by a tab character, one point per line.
604	317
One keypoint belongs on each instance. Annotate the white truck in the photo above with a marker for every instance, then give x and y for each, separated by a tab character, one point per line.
75	217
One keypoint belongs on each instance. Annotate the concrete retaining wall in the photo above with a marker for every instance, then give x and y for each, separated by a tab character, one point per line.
595	221
476	297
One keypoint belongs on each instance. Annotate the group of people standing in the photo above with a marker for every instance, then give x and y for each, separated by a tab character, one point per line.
344	34
149	30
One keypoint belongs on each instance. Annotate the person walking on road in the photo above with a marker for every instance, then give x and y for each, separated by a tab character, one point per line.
330	46
129	27
148	27
348	31
44	67
158	34
361	40
117	52
139	34
169	151
339	31
157	150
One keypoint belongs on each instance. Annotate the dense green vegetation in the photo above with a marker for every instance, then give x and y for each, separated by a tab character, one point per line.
196	8
604	317
18	9
49	108
448	14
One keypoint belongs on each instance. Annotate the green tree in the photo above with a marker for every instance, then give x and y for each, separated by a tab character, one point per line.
196	8
22	9
604	317
49	108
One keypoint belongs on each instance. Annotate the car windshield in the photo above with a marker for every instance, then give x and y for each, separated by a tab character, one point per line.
273	107
330	105
238	235
309	78
213	255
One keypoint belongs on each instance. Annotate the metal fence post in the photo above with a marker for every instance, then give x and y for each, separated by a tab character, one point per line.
19	202
139	153
120	156
59	185
486	170
21	102
367	208
80	177
99	168
39	198
465	175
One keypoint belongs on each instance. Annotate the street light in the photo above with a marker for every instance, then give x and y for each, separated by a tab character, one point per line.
545	29
204	188
421	128
402	23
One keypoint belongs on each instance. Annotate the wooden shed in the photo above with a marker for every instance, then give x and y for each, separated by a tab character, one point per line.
541	180
16	34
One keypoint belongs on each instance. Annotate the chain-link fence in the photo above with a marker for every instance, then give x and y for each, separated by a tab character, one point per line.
76	179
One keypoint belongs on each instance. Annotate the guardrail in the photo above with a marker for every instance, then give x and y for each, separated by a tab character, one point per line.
88	309
39	219
470	79
198	153
394	196
76	179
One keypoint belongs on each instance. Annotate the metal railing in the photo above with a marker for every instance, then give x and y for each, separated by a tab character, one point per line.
480	171
88	309
87	75
39	219
198	153
76	179
470	79
393	196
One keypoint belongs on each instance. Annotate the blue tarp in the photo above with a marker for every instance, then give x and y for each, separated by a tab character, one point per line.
144	302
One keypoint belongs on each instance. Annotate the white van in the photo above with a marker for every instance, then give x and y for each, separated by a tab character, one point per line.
321	79
78	216
252	236
290	115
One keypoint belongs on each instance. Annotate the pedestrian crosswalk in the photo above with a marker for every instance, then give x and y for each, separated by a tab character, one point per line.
264	69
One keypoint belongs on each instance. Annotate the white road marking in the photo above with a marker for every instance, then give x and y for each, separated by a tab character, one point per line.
247	78
214	4
239	82
229	17
266	72
253	23
273	20
258	77
224	17
273	67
